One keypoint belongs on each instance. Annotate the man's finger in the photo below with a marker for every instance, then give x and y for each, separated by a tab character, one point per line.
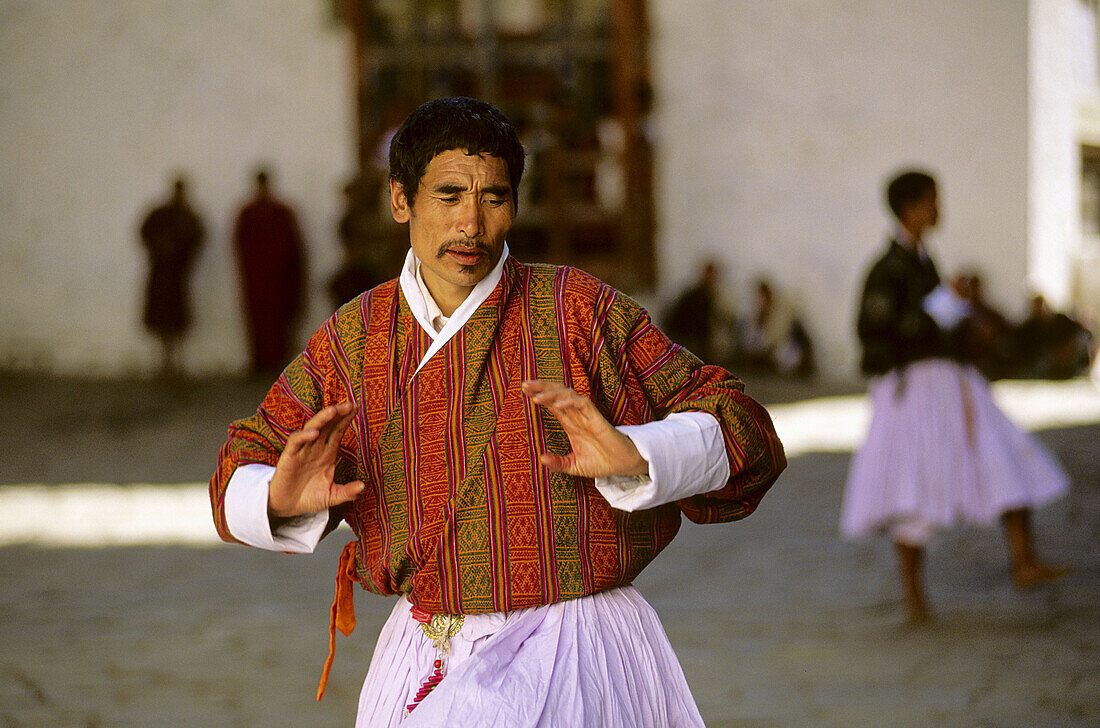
541	390
554	401
329	418
536	387
299	440
322	417
339	426
553	462
558	398
576	411
346	492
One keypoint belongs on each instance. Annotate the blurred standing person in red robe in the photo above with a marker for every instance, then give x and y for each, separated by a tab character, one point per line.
270	258
172	235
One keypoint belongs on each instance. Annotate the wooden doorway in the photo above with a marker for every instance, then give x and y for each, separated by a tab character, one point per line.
574	77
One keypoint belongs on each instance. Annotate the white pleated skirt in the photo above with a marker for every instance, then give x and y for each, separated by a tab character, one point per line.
940	451
602	661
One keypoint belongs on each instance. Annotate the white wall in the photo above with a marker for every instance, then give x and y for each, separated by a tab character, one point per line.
1062	47
780	121
778	124
100	103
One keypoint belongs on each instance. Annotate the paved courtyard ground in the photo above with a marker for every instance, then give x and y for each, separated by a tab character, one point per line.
776	620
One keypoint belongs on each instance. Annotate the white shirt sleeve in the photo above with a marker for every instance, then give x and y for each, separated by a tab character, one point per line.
246	514
686	456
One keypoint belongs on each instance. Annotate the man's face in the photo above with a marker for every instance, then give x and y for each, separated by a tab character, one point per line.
457	222
924	213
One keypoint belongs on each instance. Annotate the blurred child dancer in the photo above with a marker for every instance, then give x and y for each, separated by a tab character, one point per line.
938	449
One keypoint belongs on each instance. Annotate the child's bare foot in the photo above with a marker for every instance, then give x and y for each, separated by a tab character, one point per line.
917	611
919	616
1032	575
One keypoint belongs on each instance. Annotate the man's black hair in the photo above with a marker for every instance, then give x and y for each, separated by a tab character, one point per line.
908	187
453	123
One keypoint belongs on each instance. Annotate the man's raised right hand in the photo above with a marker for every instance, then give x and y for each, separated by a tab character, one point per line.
303	480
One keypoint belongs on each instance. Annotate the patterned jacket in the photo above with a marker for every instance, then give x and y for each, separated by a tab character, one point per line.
458	513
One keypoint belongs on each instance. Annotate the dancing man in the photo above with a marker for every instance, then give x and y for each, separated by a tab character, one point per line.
511	445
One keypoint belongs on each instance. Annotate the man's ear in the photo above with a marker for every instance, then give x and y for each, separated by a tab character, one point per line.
399	203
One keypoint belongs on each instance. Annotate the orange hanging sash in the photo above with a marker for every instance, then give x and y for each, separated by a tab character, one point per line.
342	614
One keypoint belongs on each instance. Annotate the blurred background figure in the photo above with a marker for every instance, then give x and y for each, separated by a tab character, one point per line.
172	235
773	338
938	449
690	321
271	261
363	245
610	182
988	343
1051	344
539	141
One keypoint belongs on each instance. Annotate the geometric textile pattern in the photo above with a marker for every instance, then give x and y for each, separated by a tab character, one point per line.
458	513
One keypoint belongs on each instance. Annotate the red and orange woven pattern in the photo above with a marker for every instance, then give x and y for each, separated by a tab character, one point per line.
458	513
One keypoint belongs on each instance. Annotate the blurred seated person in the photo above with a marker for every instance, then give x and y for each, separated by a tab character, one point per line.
1050	344
690	320
773	338
988	338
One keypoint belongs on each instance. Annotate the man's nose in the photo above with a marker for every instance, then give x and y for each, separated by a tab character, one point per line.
471	220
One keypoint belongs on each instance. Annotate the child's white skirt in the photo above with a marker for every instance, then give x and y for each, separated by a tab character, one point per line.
939	451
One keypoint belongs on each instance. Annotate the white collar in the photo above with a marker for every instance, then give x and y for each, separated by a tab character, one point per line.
906	240
433	313
427	312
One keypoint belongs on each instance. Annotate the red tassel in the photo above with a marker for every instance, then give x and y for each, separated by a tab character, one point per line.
428	686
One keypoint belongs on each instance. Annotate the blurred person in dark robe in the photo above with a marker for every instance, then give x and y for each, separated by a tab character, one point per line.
988	334
362	243
172	235
774	338
270	259
690	320
1050	344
